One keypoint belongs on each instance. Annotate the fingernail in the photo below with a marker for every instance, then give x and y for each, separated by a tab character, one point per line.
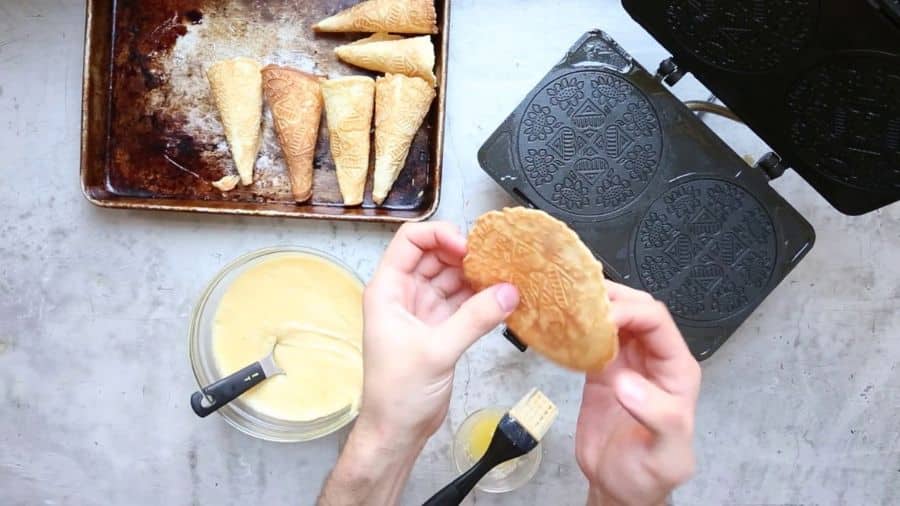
631	391
507	297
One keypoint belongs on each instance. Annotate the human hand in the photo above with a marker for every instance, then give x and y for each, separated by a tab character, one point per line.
634	440
420	317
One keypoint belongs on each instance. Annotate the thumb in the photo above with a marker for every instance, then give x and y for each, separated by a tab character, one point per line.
478	316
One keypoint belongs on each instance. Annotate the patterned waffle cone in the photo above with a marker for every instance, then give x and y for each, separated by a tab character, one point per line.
349	102
296	101
236	87
398	16
375	37
401	104
413	57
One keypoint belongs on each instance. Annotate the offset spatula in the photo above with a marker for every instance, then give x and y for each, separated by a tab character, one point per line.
212	397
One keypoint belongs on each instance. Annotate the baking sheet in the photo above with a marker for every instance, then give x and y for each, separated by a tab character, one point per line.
152	138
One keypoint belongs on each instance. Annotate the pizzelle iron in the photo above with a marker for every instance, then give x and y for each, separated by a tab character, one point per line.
663	202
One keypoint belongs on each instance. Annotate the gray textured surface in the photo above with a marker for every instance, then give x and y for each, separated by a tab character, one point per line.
801	406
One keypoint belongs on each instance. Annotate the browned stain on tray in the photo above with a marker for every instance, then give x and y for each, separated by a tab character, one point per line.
165	140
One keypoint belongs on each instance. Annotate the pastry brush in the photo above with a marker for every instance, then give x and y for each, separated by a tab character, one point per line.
519	431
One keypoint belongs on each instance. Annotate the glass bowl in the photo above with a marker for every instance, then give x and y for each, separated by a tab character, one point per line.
237	413
507	476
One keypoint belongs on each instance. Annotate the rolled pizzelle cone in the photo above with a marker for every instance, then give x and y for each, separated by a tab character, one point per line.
375	37
413	57
401	104
236	87
398	16
295	98
349	104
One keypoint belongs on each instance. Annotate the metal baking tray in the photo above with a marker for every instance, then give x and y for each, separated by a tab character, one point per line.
152	139
664	203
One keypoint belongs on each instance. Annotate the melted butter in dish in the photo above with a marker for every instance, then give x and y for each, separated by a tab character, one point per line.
310	310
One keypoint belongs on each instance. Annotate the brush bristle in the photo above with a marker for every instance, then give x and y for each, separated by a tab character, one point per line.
535	412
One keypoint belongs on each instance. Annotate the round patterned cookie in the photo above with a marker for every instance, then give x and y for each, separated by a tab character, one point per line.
752	36
589	143
564	309
707	248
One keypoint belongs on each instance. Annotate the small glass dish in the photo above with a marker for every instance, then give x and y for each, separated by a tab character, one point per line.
238	414
507	476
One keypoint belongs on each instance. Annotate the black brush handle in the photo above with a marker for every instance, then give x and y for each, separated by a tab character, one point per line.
226	389
499	450
458	489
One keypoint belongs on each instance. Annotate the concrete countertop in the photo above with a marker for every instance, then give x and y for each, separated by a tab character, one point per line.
801	406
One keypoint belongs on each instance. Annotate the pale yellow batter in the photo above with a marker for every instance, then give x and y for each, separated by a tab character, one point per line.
311	311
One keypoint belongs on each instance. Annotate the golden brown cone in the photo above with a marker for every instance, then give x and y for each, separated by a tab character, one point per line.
376	37
413	57
236	87
401	104
295	98
397	16
349	104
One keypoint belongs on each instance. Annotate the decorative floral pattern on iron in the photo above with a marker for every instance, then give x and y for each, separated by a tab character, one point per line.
656	231
686	300
728	297
540	166
640	161
637	120
755	227
566	93
726	199
613	192
539	123
571	194
747	36
610	90
657	271
604	137
707	248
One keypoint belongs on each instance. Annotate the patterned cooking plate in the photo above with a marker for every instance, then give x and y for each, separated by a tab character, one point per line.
657	196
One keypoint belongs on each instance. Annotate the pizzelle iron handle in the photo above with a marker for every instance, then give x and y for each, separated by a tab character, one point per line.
512	338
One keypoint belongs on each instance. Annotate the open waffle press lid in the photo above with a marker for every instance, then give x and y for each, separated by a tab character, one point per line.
817	80
664	203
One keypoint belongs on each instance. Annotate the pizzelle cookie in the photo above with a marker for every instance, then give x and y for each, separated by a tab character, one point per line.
236	87
295	98
563	312
381	52
394	16
401	104
349	106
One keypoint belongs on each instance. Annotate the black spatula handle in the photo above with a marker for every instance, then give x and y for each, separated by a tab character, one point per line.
211	398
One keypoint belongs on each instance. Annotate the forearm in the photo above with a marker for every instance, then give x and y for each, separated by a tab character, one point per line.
597	497
371	470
